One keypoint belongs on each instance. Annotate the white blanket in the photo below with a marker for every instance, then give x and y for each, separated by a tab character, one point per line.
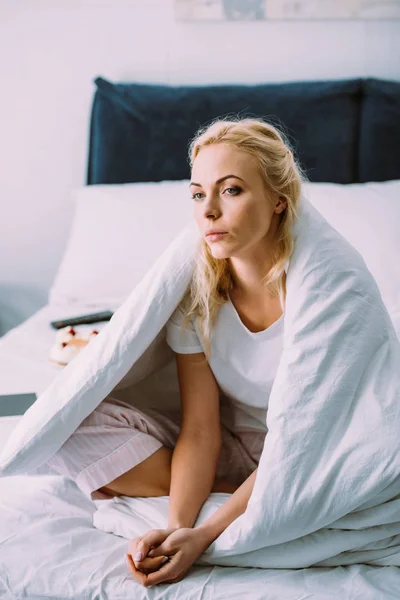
49	550
328	477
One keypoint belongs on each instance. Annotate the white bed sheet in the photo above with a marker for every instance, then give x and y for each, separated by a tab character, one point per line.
24	350
50	549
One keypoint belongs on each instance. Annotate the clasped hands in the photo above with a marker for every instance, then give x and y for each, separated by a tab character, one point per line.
165	555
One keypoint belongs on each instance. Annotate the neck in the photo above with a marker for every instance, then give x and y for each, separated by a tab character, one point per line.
247	275
250	267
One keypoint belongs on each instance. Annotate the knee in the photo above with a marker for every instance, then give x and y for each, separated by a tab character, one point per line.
148	492
108	491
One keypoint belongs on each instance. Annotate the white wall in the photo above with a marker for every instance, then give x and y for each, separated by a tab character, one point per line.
50	51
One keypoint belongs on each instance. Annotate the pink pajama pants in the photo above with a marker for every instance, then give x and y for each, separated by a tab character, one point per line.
115	437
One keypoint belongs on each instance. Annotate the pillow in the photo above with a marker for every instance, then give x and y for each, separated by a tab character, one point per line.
379	128
368	216
118	231
140	131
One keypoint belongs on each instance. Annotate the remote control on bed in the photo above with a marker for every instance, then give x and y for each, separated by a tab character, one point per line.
15	405
83	319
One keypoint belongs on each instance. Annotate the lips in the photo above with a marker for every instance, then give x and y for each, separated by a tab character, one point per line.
215	233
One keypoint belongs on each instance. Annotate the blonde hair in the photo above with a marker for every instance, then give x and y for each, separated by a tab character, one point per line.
211	279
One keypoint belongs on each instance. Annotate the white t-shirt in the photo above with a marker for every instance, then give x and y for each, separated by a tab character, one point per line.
244	363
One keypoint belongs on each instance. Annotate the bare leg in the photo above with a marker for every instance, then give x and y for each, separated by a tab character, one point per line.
152	477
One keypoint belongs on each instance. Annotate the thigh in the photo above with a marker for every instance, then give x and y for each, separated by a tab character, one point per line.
163	426
109	429
240	451
240	454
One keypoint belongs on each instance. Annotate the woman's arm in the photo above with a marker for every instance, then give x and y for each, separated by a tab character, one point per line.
185	545
229	511
195	457
193	468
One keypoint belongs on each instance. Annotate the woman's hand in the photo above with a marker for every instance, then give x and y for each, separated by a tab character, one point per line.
138	549
182	547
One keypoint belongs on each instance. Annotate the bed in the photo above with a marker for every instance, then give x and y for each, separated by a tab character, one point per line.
346	135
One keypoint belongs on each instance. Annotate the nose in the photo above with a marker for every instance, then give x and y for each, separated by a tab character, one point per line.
211	207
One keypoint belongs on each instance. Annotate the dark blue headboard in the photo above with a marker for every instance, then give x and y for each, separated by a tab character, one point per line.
343	131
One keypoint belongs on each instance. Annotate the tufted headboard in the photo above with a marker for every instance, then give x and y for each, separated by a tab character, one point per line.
341	131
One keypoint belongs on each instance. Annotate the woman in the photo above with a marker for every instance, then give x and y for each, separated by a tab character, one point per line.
246	184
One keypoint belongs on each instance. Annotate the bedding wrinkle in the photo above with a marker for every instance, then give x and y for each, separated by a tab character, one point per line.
347	376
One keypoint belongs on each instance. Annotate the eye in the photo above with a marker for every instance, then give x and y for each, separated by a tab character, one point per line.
236	191
194	196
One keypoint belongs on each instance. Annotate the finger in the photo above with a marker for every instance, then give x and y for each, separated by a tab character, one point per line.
140	577
166	573
136	573
133	544
149	565
148	541
163	549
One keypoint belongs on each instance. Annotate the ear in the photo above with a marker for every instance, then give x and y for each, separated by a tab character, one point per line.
281	204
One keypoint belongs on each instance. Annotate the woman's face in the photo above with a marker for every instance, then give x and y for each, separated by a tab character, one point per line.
239	205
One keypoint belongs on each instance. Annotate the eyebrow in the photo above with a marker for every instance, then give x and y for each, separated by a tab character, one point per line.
218	180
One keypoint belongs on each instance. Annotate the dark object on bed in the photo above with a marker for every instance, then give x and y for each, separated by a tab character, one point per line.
140	132
15	405
97	317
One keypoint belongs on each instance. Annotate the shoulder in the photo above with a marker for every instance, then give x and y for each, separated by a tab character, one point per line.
180	312
182	339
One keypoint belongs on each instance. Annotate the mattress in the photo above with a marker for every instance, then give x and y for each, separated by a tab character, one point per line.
49	547
24	350
24	355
